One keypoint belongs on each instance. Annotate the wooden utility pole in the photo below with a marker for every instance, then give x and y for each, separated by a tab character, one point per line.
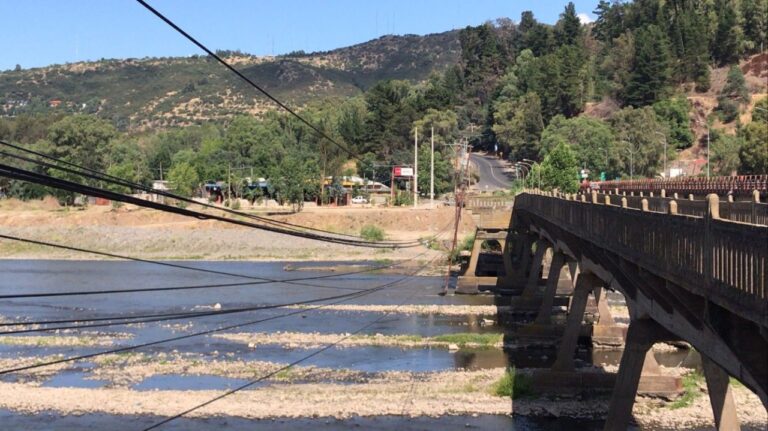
432	171
415	167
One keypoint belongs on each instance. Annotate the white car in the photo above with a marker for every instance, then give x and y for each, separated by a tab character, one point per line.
359	200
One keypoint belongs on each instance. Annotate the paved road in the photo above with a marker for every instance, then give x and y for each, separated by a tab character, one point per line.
491	170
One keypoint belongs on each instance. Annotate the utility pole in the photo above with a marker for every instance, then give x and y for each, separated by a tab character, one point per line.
432	172
709	150
415	167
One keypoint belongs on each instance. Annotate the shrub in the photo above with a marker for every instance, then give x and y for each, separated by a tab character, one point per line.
512	385
372	233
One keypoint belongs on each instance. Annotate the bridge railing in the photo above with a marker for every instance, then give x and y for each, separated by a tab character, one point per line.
737	184
743	211
723	260
488	202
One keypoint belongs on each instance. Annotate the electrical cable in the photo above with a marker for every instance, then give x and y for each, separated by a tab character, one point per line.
47	180
274	372
122	182
336	299
314	128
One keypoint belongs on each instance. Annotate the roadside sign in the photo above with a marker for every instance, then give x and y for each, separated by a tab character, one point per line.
401	171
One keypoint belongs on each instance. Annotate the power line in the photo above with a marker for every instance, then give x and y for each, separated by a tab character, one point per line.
319	132
120	181
337	299
261	280
47	180
274	372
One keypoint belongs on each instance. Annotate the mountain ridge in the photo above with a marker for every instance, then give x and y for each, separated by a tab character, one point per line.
179	91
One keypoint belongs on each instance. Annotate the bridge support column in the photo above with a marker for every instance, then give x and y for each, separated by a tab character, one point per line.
585	284
641	335
720	396
536	265
547	301
516	257
476	248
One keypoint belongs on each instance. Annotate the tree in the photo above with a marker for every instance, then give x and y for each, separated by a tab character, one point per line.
568	28
609	23
674	114
518	125
183	178
728	38
733	95
760	111
754	151
295	179
640	148
82	139
591	139
387	124
650	76
755	16
725	153
560	170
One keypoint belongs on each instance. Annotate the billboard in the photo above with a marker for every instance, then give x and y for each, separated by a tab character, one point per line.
402	171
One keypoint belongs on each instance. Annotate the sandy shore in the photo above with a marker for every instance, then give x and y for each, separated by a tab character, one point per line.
145	233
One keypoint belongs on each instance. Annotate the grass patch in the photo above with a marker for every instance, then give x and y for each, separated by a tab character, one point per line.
690	390
370	232
465	338
735	383
512	385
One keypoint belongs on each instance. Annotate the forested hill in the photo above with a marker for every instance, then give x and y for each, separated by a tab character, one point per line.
178	91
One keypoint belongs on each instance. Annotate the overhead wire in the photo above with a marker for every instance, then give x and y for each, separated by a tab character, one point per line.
282	105
62	184
335	300
125	183
260	280
274	372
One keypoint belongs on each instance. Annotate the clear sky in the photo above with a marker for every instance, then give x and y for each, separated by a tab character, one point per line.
42	32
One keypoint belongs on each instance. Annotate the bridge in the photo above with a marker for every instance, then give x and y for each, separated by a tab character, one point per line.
690	270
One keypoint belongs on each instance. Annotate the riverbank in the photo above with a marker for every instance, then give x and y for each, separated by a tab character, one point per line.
151	234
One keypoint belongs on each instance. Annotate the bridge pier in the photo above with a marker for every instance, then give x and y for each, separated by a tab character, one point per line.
585	284
720	396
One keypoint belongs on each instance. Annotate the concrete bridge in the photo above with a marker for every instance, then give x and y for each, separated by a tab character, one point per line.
689	270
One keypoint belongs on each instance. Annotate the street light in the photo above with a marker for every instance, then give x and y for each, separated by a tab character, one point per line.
530	165
526	170
631	150
663	136
708	148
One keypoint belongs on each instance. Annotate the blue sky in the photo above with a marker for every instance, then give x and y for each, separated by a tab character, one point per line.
41	32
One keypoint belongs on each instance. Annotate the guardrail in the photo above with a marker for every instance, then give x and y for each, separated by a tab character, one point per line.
752	211
723	260
472	202
741	185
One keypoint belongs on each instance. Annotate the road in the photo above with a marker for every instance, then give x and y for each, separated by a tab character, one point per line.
491	170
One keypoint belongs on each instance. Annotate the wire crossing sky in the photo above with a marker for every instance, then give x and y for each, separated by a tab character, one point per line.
42	32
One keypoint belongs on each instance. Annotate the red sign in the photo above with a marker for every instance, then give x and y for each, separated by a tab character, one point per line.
400	171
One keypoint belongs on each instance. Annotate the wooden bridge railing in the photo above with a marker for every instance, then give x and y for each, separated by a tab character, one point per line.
743	211
474	202
722	260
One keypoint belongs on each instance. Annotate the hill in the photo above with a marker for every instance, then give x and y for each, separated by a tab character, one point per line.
162	92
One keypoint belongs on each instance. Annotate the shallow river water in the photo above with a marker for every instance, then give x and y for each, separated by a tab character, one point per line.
55	276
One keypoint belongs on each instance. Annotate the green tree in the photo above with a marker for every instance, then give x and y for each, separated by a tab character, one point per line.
728	38
650	76
674	114
641	149
733	95
755	16
183	178
560	169
82	139
568	27
518	126
754	152
760	111
591	139
725	153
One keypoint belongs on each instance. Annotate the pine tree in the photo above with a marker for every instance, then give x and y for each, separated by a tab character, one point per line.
755	15
569	26
650	76
728	38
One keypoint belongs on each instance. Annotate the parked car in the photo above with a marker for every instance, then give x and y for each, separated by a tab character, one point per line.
359	200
